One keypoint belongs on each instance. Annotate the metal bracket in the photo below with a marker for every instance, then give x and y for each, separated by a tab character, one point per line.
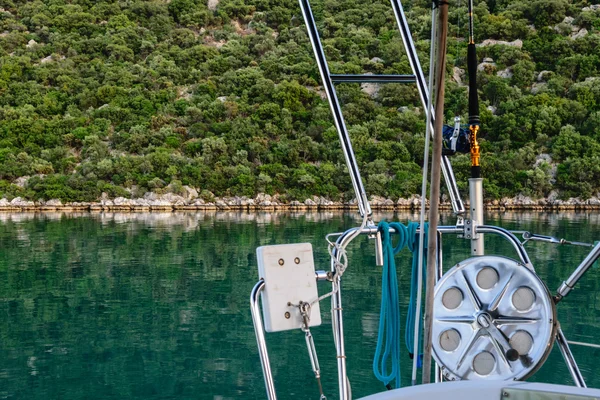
470	229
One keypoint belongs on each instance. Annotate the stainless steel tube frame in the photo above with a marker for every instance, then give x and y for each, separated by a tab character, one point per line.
413	59
476	213
259	331
334	104
439	377
336	313
568	285
512	239
565	350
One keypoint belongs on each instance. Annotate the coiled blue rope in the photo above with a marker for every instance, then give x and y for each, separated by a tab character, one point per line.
387	350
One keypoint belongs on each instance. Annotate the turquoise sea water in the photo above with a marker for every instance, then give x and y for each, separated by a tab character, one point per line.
155	306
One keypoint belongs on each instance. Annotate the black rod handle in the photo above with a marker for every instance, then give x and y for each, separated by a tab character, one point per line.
473	97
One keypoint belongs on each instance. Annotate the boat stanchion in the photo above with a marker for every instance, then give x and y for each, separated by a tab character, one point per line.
476	208
565	350
568	285
259	331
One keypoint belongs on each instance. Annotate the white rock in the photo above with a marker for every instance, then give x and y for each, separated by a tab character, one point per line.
4	203
263	197
457	75
594	201
492	109
486	65
160	203
221	204
212	4
54	203
190	193
310	202
521	199
505	73
372	89
541	158
325	202
552	196
19	202
582	32
568	20
140	202
491	42
376	60
173	199
21	181
593	7
543	75
536	87
232	201
31	43
122	201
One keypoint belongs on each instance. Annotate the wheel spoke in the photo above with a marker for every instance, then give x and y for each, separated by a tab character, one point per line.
468	349
472	294
500	342
496	302
500	351
515	320
467	319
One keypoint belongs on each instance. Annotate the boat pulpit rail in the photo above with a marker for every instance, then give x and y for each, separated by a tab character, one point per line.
519	338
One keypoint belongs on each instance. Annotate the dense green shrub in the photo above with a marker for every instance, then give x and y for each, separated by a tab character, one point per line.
125	97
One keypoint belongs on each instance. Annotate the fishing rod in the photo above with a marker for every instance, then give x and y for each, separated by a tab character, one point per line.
475	182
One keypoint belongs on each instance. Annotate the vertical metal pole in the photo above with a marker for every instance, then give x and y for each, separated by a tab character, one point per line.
565	350
260	340
428	129
337	320
334	104
439	273
476	208
440	74
413	59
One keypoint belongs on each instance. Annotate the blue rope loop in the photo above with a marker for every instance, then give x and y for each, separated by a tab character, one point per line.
388	346
411	316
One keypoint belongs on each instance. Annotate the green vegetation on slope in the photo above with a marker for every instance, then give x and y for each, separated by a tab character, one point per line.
131	96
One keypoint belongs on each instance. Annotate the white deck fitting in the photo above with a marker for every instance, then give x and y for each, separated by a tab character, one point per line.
289	274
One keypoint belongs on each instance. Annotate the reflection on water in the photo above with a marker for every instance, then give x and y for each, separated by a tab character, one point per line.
155	305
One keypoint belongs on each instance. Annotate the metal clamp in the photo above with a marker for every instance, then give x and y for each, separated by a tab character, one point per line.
470	229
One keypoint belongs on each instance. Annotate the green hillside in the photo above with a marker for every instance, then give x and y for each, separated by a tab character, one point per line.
126	97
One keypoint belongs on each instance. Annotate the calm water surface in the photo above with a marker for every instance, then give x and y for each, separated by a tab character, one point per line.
155	306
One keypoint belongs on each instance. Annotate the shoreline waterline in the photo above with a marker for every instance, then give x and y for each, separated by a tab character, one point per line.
405	206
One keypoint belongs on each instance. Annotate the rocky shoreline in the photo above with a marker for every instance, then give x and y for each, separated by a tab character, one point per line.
266	203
